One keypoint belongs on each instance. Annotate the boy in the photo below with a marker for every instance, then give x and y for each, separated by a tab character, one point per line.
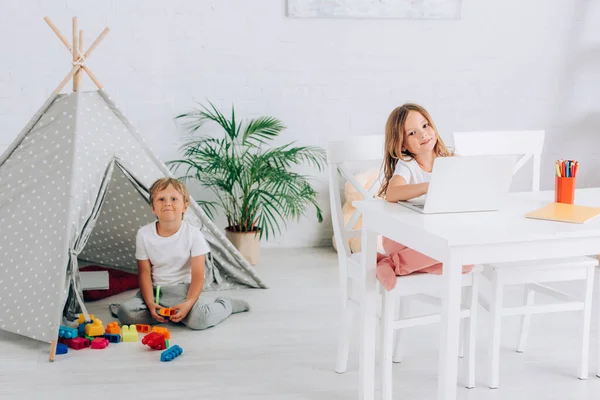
170	253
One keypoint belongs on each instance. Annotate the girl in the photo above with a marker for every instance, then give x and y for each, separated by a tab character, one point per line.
412	143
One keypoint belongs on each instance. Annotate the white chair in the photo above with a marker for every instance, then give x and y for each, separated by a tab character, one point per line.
369	149
529	144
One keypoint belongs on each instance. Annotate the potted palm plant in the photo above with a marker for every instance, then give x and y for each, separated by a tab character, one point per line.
254	184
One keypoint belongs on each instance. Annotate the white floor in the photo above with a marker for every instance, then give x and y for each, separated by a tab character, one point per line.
285	349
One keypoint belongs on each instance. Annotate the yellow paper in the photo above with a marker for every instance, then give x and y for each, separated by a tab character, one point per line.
565	213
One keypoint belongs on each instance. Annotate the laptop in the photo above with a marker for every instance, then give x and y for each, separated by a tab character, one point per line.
466	184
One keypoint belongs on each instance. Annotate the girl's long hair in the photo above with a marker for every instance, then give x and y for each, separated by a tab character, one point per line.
394	140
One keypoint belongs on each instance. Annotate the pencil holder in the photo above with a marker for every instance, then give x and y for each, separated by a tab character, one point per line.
564	190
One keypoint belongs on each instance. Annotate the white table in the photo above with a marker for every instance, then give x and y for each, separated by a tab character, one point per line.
464	238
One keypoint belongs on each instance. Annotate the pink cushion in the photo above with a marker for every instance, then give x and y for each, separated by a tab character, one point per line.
118	282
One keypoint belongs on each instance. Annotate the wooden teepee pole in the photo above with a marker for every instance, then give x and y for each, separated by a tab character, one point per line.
76	50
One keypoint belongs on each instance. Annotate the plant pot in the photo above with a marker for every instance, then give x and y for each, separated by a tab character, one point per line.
247	243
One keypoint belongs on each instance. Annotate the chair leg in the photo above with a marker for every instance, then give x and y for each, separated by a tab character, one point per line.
403	310
587	320
526	319
470	340
387	343
496	314
344	340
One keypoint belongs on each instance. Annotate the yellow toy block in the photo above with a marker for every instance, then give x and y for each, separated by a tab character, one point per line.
113	328
95	328
129	333
81	319
162	330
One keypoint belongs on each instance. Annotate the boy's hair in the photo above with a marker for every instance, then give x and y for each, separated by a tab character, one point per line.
163	183
394	141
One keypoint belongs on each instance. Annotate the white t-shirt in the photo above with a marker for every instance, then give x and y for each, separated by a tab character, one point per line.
412	172
170	257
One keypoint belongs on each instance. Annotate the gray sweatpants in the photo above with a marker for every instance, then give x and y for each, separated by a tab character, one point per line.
203	314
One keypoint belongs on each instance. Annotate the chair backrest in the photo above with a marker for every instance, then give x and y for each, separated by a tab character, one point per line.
528	144
339	155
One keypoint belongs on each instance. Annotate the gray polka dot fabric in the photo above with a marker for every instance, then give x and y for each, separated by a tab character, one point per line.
75	186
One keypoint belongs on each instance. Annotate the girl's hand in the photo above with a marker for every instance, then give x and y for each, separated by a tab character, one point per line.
153	307
182	310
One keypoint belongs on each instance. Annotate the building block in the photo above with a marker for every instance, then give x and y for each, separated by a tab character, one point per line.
61	348
167	312
81	328
66	332
112	338
166	344
78	343
99	343
171	353
113	328
155	341
141	328
81	319
129	333
163	331
95	328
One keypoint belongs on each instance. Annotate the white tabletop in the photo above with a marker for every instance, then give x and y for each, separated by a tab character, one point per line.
505	225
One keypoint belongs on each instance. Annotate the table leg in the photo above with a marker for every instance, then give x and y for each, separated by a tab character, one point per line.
449	333
368	317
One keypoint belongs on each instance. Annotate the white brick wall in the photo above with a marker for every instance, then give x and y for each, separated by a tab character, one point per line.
507	64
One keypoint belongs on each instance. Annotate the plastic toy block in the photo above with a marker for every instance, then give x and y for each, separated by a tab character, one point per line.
112	338
171	353
129	333
163	331
78	343
66	332
63	340
113	328
61	348
141	328
154	340
95	328
166	344
167	312
99	343
81	319
81	328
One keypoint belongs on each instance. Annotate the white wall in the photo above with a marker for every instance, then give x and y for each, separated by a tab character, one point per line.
507	64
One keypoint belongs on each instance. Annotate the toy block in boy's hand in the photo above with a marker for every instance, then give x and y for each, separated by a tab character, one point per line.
81	319
154	340
163	331
171	353
112	338
141	328
129	333
78	343
66	332
95	328
167	312
99	343
113	328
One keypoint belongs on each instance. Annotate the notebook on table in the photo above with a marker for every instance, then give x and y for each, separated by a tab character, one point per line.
562	212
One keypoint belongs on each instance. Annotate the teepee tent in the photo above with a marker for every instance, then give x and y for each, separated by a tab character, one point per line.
75	186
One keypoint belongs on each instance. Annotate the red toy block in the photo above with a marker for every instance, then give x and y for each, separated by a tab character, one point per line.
154	340
78	343
141	328
99	343
163	331
113	329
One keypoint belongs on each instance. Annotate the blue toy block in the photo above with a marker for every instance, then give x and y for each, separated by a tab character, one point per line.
66	332
81	328
61	348
112	338
171	353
